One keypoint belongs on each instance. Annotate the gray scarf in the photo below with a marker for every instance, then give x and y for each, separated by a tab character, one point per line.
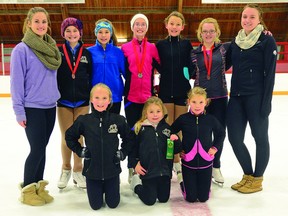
45	49
247	41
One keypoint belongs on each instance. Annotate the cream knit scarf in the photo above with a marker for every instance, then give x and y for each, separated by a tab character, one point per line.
247	41
45	49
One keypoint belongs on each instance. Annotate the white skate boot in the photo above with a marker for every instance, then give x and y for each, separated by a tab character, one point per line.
64	179
79	179
217	177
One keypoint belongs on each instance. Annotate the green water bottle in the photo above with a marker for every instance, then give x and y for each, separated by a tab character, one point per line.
170	149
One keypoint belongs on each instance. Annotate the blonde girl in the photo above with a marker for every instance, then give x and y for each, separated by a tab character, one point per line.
149	157
202	136
209	61
101	130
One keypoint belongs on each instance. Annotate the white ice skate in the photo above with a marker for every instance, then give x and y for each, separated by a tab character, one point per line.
217	177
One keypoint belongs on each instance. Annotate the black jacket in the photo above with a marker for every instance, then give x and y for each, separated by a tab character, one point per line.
174	55
150	150
78	89
254	70
205	128
100	131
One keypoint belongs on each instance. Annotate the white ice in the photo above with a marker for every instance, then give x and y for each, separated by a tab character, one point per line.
73	201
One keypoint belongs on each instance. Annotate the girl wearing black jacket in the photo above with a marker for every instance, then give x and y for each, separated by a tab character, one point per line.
174	52
202	136
102	156
149	157
73	78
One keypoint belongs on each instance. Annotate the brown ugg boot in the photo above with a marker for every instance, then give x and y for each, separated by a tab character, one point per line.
29	196
44	193
241	183
252	185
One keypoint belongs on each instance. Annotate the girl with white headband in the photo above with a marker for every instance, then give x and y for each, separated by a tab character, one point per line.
141	57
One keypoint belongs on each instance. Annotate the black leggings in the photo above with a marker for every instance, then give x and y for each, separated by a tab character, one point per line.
153	189
217	108
97	188
39	126
133	112
197	183
242	110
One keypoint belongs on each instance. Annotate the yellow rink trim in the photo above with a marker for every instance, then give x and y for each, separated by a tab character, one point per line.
280	93
274	93
5	95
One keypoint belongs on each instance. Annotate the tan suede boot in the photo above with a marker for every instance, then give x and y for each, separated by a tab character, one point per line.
29	196
252	185
44	194
241	183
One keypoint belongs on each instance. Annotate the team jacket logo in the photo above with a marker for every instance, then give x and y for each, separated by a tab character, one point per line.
113	128
83	59
166	132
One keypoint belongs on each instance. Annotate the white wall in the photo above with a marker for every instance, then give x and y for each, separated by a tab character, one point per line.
4	84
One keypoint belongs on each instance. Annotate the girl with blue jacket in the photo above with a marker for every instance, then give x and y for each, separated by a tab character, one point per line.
108	62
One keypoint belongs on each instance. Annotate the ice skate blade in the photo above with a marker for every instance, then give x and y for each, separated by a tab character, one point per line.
220	184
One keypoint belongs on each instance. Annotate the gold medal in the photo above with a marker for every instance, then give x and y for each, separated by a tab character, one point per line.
140	75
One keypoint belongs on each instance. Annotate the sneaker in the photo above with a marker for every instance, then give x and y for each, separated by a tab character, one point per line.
64	179
79	179
130	174
217	175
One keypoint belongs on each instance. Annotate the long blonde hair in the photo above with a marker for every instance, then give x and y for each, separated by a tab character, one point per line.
152	100
30	15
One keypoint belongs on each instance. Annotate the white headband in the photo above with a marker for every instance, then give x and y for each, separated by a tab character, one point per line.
137	16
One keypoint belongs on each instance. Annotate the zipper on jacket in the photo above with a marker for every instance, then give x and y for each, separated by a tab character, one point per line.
158	152
102	146
197	126
104	57
172	68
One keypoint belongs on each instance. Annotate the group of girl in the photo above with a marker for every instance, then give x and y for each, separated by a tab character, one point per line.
103	66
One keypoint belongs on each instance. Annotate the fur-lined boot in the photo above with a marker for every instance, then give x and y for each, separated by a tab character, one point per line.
29	195
41	192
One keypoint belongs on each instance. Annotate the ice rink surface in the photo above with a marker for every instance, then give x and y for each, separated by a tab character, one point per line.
73	201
